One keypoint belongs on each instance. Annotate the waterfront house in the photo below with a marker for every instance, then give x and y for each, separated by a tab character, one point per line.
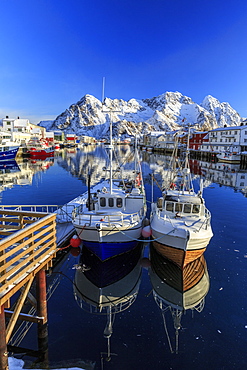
222	139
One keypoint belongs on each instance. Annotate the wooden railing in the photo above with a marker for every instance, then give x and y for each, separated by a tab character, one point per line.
27	244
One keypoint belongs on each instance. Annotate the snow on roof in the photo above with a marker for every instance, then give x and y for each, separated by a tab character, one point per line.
230	128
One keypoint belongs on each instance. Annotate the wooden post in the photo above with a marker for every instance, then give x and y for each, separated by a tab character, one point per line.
3	344
42	311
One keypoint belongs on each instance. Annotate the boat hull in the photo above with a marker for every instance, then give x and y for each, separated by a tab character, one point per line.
178	256
229	158
180	245
8	154
41	154
104	251
108	242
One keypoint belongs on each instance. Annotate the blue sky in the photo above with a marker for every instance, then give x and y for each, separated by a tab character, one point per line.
53	52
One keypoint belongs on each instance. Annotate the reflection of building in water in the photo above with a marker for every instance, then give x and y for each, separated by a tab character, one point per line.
108	287
21	172
177	290
225	174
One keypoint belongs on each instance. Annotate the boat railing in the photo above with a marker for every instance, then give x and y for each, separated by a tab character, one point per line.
89	218
204	224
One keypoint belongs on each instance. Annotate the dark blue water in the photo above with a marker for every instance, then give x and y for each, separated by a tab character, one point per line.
215	338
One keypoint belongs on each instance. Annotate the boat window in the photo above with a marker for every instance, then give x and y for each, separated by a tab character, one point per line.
102	202
159	202
178	207
111	202
169	206
196	208
187	208
119	202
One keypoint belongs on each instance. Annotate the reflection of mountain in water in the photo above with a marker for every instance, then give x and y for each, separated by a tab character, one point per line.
177	290
108	287
81	163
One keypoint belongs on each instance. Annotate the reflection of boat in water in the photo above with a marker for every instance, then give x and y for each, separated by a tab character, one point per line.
108	287
9	166
180	221
177	290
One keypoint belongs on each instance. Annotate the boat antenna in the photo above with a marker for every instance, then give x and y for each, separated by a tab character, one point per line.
103	90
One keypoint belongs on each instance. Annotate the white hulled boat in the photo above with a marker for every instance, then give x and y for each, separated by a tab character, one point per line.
180	221
229	157
110	217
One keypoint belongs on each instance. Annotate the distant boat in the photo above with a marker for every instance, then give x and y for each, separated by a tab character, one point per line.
111	215
39	149
229	157
8	150
180	221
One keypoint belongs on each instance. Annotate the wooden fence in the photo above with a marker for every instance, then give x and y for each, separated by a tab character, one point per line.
27	245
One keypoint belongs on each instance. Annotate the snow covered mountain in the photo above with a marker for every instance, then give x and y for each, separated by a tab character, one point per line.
168	111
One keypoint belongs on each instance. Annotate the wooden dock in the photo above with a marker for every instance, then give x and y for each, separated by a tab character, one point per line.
30	238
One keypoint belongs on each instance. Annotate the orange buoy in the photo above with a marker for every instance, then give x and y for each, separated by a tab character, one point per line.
75	241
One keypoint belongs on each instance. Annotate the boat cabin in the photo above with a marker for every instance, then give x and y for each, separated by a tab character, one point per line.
181	205
103	201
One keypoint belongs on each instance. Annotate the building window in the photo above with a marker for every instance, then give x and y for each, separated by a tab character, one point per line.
242	177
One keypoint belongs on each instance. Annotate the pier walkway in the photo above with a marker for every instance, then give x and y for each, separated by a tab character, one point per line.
30	238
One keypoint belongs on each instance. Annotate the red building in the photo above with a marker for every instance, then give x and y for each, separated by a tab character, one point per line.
196	139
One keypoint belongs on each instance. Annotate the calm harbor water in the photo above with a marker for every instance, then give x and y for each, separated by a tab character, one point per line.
214	338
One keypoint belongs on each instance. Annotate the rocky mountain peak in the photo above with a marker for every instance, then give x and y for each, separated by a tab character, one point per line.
168	111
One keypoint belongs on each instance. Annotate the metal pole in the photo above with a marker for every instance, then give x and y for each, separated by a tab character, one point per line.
42	311
3	344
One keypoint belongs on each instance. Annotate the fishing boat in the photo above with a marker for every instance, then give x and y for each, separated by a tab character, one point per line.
39	149
229	157
108	287
176	291
179	221
111	215
8	150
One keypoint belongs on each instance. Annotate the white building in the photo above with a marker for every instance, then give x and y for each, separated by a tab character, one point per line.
231	138
21	129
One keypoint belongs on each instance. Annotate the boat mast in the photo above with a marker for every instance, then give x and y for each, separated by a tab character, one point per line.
186	172
110	151
110	117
